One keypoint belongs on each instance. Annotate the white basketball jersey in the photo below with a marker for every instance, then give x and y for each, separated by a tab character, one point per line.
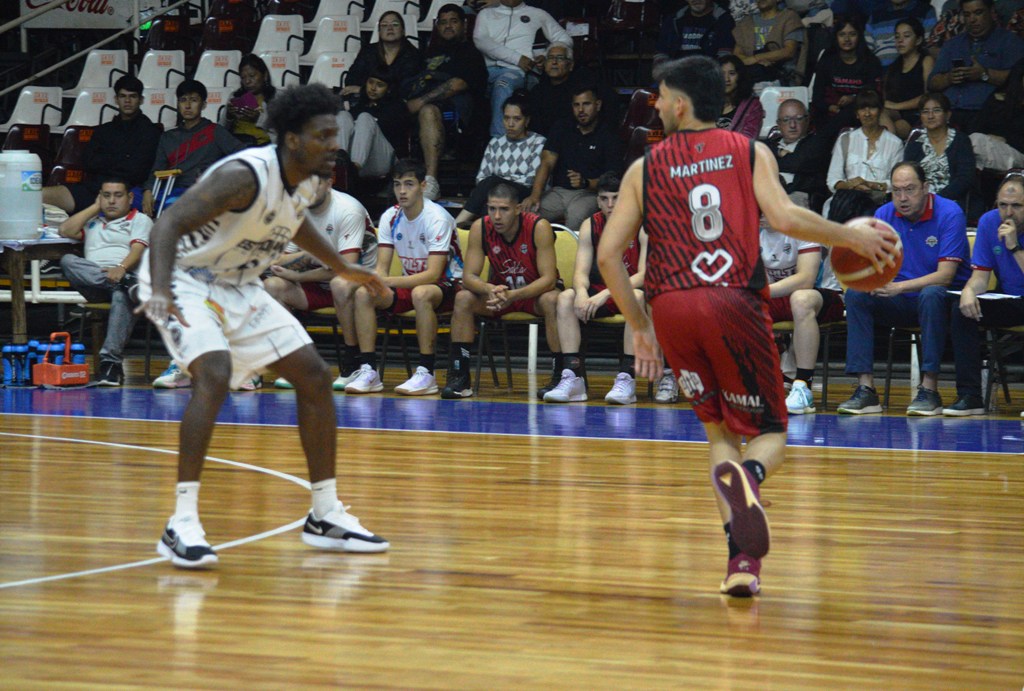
236	247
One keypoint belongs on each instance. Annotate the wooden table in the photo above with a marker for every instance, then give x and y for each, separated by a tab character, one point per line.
14	257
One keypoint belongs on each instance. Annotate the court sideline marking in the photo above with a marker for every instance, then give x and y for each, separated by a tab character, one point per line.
156	560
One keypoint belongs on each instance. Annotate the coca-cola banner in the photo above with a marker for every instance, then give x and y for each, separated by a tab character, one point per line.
81	14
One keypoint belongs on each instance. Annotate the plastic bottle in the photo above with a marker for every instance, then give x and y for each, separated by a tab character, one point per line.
78	353
8	363
20	357
31	358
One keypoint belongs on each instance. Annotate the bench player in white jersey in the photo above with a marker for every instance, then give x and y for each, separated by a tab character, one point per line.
301	282
421	234
802	289
201	288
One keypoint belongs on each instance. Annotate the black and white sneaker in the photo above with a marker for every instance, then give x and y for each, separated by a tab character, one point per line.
341	531
111	374
184	543
459	385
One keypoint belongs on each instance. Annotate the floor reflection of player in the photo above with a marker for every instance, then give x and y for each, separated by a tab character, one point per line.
697	195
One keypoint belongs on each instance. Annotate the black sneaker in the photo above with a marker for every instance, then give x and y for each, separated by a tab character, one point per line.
184	543
111	374
556	379
459	385
863	401
966	405
130	284
927	402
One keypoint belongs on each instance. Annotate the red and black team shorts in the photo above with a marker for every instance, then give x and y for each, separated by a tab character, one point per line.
403	298
719	343
832	308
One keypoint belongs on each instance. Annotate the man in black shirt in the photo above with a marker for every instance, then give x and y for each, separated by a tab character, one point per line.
122	148
802	157
701	27
551	99
454	78
578	151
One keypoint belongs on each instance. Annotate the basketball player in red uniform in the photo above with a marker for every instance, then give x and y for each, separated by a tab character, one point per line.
698	194
520	247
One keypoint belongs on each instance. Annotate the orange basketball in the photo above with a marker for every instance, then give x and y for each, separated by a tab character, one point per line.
854	271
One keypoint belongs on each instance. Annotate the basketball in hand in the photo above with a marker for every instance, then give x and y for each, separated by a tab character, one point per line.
854	271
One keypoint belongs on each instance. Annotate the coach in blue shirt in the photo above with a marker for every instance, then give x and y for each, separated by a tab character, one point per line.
972	65
997	247
935	256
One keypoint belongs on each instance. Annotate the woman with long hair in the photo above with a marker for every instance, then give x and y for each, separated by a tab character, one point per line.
944	153
246	112
743	112
906	79
846	67
393	51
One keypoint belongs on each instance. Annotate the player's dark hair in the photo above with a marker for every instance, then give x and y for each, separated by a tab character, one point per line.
408	166
128	83
452	7
297	105
913	165
586	88
256	62
700	78
503	190
115	180
191	86
987	3
938	97
609	182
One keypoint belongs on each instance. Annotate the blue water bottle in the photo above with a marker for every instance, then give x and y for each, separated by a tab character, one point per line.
77	353
8	362
57	353
20	359
32	357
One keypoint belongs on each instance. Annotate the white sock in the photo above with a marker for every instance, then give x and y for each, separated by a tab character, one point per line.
325	497
188	499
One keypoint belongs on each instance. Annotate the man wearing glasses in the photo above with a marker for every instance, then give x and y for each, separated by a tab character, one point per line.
933	231
802	157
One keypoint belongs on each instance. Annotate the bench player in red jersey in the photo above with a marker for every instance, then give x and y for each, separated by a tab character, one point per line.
698	195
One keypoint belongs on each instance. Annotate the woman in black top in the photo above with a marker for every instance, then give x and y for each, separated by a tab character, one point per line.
392	51
846	67
906	79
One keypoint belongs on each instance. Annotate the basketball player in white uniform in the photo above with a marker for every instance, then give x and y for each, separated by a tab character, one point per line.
201	288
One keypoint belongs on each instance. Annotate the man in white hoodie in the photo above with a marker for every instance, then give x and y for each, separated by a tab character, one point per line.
505	33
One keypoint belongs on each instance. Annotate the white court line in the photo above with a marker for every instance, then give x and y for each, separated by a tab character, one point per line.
156	560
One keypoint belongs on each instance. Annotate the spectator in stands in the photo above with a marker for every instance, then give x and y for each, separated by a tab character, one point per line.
122	148
881	26
191	147
996	248
454	77
513	159
422	235
975	64
906	79
246	113
523	278
795	294
944	153
578	151
115	236
998	139
935	258
858	174
846	67
768	42
802	157
551	98
505	34
700	27
588	298
743	111
301	282
392	51
375	129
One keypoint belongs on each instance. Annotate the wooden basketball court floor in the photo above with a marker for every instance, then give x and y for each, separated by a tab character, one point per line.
533	546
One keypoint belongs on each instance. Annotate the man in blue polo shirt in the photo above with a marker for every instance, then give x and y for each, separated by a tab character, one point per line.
998	248
974	64
935	257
